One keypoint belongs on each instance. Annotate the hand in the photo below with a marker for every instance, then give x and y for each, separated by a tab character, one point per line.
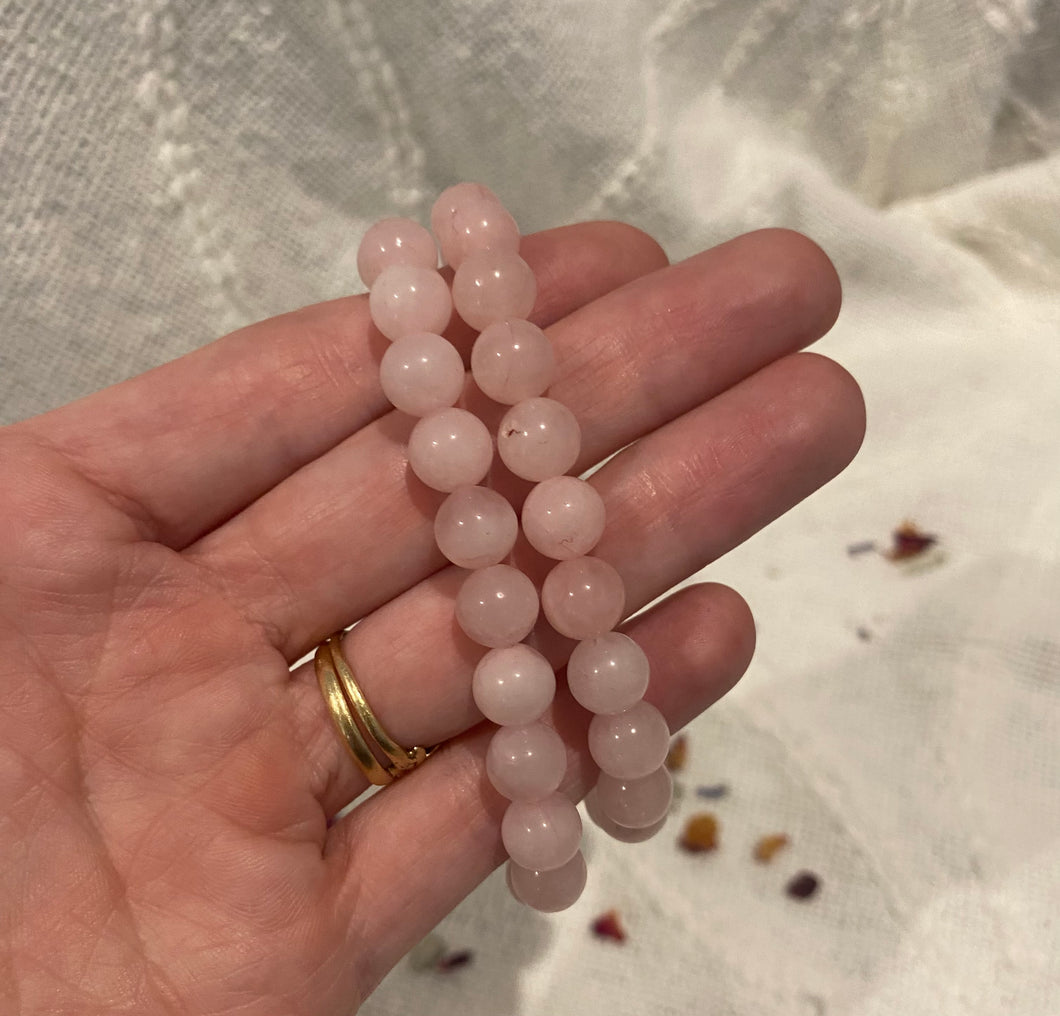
173	544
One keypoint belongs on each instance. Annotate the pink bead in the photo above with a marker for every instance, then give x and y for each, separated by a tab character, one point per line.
583	597
548	891
514	685
542	835
450	448
636	804
526	763
513	360
563	517
394	242
421	372
615	831
539	438
492	286
475	527
608	674
469	217
497	606
630	744
404	300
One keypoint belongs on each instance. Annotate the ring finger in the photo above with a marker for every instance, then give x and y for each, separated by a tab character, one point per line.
675	500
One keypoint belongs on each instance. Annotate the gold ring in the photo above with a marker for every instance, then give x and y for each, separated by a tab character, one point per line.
376	754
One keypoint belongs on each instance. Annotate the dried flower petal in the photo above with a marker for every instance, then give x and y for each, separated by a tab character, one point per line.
608	926
677	756
908	541
767	846
700	833
804	885
454	960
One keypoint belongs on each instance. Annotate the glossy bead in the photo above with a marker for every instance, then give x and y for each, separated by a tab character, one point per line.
450	448
539	438
608	674
563	517
548	891
583	597
513	360
514	685
615	831
421	372
405	300
630	744
469	217
492	286
497	606
542	835
636	804
394	241
475	527
526	763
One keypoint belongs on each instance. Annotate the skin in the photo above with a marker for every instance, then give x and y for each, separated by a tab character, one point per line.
172	545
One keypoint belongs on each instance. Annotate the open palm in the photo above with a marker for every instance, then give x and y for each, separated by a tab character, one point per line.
171	546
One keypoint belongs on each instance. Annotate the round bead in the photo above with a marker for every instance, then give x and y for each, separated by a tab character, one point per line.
514	685
475	527
421	372
513	360
636	804
608	674
392	242
615	831
548	891
563	517
526	763
630	744
497	606
469	217
583	597
542	835
450	448
539	438
406	299
492	286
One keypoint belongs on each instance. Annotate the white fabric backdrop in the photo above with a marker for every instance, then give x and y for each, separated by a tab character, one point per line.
173	169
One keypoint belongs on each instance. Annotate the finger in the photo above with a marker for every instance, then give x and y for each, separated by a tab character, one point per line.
185	446
630	362
675	501
427	841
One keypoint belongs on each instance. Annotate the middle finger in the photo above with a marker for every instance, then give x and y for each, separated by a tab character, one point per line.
353	529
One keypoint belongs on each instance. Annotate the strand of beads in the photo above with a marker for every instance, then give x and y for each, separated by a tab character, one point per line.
512	363
562	518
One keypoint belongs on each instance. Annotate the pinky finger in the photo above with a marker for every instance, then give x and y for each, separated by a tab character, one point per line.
405	858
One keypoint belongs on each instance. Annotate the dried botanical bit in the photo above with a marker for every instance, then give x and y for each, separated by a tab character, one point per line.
768	846
804	885
455	960
861	547
713	791
426	954
908	541
677	756
700	833
609	926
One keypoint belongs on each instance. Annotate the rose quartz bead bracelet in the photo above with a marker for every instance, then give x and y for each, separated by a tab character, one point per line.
582	597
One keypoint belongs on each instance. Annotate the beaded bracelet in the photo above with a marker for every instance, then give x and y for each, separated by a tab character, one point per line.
562	518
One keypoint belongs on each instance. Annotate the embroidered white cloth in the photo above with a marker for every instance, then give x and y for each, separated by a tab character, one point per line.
172	170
